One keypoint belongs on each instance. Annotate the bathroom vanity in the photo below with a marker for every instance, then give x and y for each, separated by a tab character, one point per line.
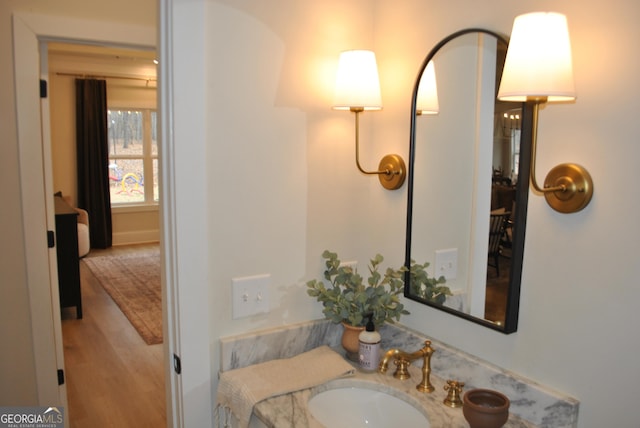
532	404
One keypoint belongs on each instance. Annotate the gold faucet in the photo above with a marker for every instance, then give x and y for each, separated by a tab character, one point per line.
402	360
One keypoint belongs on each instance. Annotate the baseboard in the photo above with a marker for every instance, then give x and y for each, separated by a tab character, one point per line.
137	237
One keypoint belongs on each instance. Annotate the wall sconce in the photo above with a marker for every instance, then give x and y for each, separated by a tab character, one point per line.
427	101
538	70
357	90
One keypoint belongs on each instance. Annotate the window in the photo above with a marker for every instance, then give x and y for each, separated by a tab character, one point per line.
515	151
133	156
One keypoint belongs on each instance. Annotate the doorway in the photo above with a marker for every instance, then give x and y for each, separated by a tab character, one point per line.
30	31
107	365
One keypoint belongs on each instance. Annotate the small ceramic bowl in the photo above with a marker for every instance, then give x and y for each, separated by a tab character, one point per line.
484	408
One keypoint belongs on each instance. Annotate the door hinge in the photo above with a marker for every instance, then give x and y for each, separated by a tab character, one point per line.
43	88
177	365
51	239
60	377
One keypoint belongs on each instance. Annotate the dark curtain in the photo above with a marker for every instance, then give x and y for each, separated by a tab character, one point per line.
93	158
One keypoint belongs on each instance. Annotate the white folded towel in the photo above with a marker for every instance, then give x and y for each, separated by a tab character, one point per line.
240	389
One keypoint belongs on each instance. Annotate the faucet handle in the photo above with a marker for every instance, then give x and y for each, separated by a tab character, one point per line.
402	368
454	389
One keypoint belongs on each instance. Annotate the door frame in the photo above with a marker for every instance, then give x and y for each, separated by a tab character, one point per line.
30	33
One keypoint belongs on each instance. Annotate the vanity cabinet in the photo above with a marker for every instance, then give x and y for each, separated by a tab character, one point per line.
68	258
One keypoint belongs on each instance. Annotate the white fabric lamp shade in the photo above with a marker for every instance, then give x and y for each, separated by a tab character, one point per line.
427	102
538	62
357	82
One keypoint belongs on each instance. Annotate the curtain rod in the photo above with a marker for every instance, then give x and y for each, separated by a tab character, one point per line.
84	76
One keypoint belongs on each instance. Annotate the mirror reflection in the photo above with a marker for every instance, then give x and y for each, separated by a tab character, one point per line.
505	165
466	211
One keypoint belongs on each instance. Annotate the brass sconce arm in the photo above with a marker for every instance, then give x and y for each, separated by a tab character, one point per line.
357	111
534	140
391	170
568	187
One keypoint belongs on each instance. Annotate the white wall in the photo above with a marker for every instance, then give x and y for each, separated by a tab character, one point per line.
283	185
268	88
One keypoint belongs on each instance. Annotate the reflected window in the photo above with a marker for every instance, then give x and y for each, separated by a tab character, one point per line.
515	151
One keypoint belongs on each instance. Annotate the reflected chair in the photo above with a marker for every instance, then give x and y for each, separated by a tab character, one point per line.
84	241
497	226
507	239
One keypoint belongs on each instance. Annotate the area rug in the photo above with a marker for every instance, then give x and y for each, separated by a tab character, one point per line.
133	282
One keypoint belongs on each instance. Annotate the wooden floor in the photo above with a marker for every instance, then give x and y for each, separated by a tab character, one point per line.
113	378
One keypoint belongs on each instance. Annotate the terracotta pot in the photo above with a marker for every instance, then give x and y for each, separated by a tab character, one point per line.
350	341
484	408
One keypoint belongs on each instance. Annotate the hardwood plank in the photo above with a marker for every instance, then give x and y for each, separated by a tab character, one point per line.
113	377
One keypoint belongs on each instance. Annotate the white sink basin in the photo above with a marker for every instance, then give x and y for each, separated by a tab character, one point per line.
360	407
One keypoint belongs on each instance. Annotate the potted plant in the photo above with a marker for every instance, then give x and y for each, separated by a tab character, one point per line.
349	299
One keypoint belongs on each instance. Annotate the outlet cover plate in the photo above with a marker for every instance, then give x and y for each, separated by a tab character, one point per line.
446	263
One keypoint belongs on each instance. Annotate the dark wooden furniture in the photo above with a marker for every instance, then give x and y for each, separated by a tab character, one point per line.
68	259
497	225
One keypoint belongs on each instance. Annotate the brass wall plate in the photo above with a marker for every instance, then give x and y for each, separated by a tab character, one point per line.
579	188
395	180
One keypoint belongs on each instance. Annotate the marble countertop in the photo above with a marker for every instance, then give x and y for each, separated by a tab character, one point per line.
531	401
290	410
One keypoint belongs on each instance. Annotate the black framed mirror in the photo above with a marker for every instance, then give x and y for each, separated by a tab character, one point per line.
468	172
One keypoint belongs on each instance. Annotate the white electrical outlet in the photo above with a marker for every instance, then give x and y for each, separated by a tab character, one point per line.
250	295
446	263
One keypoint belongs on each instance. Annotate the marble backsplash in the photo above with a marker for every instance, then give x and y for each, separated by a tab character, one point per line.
529	400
